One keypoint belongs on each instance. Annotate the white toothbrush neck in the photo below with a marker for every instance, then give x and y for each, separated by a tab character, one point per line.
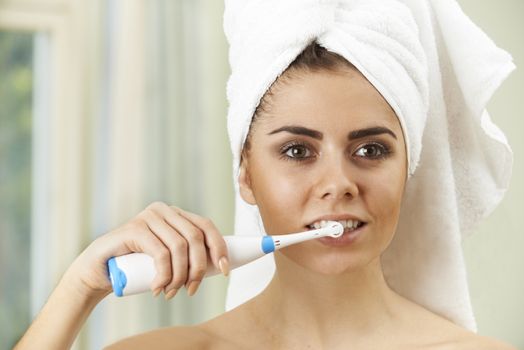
286	240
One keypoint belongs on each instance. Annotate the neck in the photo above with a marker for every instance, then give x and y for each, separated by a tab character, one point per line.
325	307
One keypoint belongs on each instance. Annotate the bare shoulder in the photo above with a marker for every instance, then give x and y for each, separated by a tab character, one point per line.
173	338
225	332
452	336
472	341
436	332
456	337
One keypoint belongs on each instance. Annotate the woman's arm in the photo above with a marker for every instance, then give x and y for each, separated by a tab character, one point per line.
61	318
177	241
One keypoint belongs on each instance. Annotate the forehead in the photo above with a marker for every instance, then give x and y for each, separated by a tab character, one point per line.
325	98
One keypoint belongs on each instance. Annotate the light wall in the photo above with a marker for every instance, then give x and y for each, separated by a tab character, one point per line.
494	254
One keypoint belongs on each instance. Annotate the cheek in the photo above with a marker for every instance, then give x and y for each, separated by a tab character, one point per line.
385	197
383	201
279	197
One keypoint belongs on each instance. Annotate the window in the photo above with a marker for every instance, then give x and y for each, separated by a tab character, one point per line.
16	90
39	157
93	101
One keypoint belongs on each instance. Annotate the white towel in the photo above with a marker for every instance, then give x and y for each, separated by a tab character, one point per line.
437	70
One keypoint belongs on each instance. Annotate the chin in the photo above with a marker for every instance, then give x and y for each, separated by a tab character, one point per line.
327	261
338	263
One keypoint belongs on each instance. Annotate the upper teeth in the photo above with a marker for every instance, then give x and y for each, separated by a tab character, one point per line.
351	224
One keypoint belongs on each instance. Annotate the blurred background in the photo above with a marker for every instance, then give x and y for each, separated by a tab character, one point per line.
108	105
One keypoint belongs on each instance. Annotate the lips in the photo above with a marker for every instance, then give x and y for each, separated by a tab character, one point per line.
346	239
348	224
353	227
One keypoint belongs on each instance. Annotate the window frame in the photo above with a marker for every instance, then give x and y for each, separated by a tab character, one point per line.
59	152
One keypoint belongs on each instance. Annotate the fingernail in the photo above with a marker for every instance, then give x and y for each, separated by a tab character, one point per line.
171	293
192	288
224	265
157	291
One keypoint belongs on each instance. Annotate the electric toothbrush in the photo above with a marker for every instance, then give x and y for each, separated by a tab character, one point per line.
133	273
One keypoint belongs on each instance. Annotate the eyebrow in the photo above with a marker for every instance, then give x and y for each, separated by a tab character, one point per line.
356	134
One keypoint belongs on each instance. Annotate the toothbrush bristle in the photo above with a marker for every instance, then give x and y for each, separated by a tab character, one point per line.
338	229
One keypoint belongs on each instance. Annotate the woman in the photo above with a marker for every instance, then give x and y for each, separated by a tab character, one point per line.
324	144
334	163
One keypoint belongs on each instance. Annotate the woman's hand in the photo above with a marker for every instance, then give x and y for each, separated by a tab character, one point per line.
178	241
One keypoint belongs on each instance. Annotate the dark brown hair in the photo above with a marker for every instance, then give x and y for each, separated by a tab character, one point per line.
313	59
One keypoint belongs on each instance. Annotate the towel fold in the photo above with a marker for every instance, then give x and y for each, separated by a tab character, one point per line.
437	70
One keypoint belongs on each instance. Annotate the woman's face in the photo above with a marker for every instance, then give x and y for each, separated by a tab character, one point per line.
329	147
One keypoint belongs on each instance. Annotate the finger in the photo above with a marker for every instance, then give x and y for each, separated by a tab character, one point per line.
213	240
140	238
178	248
196	246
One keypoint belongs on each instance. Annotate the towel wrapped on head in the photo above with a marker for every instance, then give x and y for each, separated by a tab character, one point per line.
437	70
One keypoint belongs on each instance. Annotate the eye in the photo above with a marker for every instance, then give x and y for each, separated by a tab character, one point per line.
372	151
296	151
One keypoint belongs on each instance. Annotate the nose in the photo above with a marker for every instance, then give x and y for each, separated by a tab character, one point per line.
335	180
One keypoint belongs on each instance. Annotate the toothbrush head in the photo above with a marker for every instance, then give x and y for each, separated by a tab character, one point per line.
330	229
336	228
